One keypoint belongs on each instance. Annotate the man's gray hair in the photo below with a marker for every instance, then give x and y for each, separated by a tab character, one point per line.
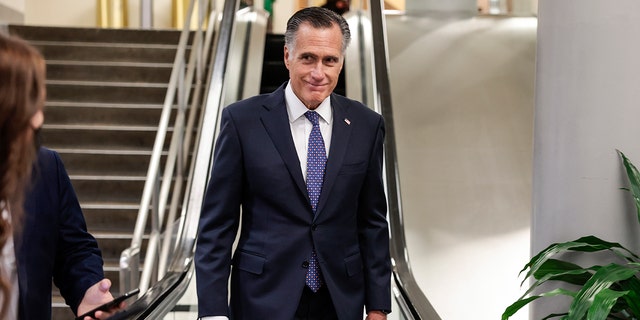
317	17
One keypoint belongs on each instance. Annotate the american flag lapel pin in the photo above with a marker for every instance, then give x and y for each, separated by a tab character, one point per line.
347	121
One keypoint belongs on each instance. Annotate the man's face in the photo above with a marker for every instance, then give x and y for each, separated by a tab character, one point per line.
314	63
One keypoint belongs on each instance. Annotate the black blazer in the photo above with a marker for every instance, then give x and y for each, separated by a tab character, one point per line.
256	168
54	242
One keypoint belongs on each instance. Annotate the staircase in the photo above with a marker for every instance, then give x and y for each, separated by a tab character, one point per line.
105	91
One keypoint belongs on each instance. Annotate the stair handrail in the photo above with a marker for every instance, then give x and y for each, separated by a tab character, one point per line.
368	27
154	195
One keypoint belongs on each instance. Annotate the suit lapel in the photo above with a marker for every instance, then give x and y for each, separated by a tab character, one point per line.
339	141
276	122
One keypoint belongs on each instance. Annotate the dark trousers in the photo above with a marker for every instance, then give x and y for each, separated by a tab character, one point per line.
316	305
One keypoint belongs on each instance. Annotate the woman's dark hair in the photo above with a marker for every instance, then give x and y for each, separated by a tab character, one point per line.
22	95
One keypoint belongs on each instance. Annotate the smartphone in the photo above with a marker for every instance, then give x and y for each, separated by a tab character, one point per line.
109	305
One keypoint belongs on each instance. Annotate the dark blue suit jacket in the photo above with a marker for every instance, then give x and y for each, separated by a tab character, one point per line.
256	168
54	242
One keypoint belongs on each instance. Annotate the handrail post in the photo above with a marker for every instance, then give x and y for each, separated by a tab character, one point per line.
133	251
129	266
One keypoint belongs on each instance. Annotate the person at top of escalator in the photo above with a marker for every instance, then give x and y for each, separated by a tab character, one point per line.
338	6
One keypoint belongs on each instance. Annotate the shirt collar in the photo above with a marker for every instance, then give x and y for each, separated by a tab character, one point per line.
296	109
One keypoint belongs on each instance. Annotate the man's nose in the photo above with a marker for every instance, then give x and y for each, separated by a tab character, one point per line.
317	71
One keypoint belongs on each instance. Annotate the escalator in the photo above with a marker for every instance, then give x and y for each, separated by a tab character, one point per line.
240	37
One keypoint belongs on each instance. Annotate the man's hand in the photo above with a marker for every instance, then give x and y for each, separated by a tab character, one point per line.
376	315
95	296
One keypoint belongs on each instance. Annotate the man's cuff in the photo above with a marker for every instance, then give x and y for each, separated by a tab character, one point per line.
383	311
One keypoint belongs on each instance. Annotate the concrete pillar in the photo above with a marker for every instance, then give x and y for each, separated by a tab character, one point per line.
587	106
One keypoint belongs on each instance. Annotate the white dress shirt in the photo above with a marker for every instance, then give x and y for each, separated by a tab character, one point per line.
301	126
300	130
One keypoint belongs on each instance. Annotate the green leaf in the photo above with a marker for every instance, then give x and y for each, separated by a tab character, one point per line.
513	308
557	268
634	181
548	277
601	280
596	244
584	244
602	304
632	299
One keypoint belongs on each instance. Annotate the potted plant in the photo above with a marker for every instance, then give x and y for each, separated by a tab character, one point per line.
608	291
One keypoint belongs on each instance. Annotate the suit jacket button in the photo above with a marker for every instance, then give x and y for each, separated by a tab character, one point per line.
314	227
305	264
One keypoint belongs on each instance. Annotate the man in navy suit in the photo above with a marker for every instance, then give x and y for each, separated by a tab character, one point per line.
54	243
260	169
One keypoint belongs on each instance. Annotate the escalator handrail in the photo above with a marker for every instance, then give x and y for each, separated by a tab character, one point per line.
418	303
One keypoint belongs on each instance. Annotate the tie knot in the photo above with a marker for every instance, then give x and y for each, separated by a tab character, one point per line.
312	116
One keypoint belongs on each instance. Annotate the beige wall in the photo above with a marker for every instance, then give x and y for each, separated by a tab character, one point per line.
60	13
84	13
11	11
17	5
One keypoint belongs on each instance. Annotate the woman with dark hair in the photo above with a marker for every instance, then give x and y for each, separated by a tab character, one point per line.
51	237
22	95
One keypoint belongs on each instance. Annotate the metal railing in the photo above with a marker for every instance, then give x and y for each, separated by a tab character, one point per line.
180	234
184	92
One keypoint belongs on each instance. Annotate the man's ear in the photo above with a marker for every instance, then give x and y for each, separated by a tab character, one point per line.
286	57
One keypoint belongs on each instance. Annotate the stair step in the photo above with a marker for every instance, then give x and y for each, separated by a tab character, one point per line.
59	309
99	127
90	114
133	162
112	245
101	105
73	51
109	84
106	92
123	189
109	216
73	34
119	73
90	138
